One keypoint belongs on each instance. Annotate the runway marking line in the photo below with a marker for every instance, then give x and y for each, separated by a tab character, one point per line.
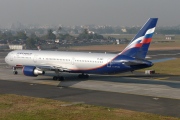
163	78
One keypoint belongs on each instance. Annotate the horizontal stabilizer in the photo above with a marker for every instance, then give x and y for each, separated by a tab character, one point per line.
133	62
161	60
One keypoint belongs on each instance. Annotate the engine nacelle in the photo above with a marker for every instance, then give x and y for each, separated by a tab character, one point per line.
32	71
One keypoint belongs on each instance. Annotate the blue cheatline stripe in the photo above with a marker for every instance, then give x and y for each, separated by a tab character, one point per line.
151	23
149	35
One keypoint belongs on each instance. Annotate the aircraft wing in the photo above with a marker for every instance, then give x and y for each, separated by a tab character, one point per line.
161	60
54	68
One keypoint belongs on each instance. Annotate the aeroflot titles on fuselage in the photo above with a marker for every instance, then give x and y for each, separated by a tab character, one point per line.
21	53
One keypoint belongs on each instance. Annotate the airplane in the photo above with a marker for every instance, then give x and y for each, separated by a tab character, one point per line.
36	62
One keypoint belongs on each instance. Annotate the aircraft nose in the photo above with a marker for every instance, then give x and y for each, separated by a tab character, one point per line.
6	59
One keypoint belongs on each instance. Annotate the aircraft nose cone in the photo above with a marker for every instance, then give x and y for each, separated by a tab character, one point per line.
6	59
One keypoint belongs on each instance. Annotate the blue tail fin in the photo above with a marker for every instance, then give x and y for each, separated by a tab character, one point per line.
138	47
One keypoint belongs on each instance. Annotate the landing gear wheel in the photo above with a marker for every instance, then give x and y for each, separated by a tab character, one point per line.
61	78
55	78
86	76
15	72
79	76
83	76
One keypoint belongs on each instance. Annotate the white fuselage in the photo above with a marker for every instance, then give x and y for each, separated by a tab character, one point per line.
64	60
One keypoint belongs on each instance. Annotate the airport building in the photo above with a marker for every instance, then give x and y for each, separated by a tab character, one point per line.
16	47
4	46
169	37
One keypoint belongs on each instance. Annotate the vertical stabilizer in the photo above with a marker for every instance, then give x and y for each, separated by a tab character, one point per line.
139	45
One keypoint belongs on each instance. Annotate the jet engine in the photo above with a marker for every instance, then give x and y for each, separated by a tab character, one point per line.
32	71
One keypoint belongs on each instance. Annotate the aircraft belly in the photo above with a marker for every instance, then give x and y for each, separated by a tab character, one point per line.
100	69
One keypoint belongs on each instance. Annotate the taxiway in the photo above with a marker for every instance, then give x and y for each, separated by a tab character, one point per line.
159	94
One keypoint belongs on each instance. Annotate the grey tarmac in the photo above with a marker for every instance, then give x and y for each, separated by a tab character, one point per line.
159	94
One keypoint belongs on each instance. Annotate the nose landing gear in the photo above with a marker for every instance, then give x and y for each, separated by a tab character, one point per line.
15	72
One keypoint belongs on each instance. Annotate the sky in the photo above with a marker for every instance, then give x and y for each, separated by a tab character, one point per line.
87	12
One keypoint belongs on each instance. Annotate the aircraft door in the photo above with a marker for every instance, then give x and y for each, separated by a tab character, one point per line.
11	56
35	58
72	61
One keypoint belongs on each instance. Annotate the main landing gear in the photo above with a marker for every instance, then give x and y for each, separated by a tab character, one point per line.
61	78
58	77
83	75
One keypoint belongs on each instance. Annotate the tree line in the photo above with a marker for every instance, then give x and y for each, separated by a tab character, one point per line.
33	40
